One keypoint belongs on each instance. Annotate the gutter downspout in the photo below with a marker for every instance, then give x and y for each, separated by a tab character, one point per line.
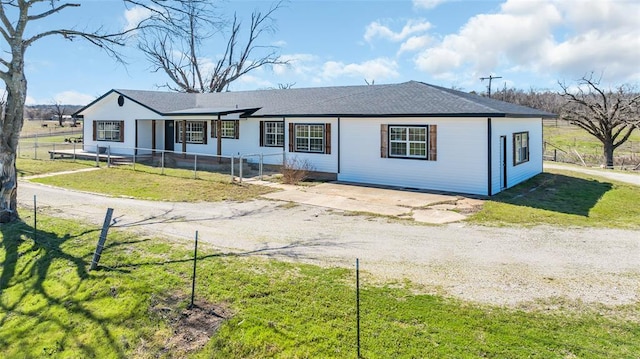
338	146
489	160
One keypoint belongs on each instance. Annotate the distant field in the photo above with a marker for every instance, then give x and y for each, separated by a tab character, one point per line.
35	127
568	139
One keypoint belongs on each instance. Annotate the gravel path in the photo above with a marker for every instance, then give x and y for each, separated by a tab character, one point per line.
508	266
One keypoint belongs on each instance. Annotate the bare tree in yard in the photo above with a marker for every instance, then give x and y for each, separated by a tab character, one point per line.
607	115
58	112
15	15
174	45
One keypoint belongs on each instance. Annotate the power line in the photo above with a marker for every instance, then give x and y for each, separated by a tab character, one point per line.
490	78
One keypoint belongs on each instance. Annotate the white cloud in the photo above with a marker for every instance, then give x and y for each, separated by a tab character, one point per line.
376	29
427	4
299	64
64	98
377	69
547	37
135	15
72	98
415	43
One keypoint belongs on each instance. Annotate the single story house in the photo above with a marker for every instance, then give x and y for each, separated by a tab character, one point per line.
410	134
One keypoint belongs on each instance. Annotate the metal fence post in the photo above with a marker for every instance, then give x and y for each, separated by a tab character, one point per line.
232	166
102	239
162	170
195	166
74	152
358	305
260	166
97	155
240	170
109	156
134	160
193	278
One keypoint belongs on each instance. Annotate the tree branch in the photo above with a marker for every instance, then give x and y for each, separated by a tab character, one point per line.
52	11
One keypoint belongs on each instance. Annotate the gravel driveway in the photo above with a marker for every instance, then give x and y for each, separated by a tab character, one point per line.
508	266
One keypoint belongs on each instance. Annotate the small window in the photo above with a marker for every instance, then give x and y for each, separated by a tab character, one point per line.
273	133
520	148
228	129
309	138
108	131
195	132
408	141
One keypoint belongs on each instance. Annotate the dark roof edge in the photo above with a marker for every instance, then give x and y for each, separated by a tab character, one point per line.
121	94
245	112
479	115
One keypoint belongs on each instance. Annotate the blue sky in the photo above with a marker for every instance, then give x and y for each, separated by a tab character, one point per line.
529	43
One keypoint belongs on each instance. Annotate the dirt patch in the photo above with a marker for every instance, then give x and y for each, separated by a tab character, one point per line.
468	206
192	326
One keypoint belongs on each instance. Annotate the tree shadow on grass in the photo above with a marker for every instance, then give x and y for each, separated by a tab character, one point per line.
557	193
26	293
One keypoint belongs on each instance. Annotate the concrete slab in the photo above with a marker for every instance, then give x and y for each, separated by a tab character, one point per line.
337	202
383	201
383	196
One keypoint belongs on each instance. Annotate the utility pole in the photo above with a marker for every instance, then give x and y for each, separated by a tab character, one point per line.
490	78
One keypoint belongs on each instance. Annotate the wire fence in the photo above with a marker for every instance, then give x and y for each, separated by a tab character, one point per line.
565	142
625	158
238	167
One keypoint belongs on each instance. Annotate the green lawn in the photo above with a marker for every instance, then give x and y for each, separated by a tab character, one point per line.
564	198
30	167
176	185
135	305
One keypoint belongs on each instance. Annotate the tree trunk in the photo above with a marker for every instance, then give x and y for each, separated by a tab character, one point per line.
9	135
608	155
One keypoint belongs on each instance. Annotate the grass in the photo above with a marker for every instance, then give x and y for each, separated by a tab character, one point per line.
176	185
564	198
51	305
567	137
30	167
560	198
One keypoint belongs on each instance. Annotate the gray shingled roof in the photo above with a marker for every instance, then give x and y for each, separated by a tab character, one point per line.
405	99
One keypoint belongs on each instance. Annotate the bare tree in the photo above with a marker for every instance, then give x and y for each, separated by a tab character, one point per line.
59	112
15	15
605	114
174	45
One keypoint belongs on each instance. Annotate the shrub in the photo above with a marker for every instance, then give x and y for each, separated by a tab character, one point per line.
295	170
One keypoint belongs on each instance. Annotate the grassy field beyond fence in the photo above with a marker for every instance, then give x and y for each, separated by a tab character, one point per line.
135	305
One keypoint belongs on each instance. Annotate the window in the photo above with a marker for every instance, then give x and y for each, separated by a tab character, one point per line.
228	129
195	132
307	137
272	133
408	141
108	131
520	148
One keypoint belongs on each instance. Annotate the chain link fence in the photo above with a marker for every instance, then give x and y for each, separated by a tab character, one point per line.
242	166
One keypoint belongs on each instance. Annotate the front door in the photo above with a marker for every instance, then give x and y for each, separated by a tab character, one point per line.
169	138
503	162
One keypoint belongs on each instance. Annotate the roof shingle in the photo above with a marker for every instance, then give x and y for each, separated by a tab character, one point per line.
411	98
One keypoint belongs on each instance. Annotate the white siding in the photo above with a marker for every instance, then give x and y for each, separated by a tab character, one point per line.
461	164
321	162
521	172
107	109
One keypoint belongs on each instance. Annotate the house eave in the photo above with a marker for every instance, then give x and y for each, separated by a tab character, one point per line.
407	115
